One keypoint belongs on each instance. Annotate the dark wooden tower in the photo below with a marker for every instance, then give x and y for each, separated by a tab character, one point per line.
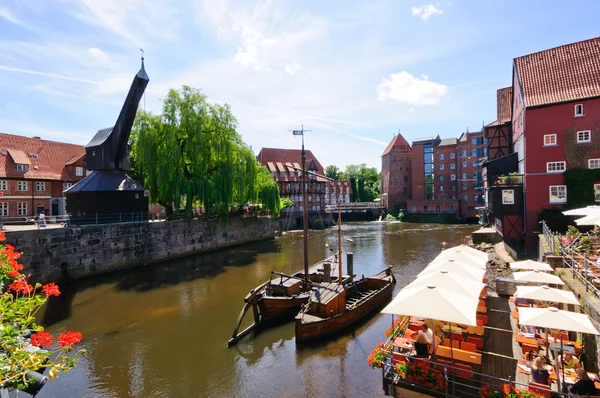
108	194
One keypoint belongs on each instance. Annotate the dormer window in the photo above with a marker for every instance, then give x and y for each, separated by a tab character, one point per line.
79	171
21	167
578	110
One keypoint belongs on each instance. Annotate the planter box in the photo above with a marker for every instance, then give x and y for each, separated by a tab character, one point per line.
555	261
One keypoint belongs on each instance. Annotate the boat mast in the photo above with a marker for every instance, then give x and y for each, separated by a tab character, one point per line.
305	209
340	263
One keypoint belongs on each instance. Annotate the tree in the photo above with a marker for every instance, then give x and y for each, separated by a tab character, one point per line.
332	172
365	182
193	153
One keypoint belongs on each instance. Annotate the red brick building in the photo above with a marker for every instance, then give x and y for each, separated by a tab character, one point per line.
34	173
396	165
555	119
286	167
471	150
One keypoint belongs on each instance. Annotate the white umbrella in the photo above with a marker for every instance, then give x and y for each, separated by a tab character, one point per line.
530	265
592	219
435	303
537	277
553	318
455	267
450	281
461	258
583	211
467	249
545	293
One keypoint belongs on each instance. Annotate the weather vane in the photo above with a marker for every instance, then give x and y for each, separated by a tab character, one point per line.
142	50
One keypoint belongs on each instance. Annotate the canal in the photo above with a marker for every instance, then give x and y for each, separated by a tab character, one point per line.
161	331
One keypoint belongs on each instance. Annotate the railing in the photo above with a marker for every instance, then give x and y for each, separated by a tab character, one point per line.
511	179
432	211
582	268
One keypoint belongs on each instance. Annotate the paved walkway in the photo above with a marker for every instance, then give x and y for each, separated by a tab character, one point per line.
28	227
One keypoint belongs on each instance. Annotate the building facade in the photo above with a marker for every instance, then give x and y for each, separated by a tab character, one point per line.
396	173
471	151
34	173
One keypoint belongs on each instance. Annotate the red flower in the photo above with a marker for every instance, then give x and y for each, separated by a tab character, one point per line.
20	285
50	289
13	274
69	339
41	339
2	236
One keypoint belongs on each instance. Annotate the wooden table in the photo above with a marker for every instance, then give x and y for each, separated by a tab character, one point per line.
570	376
403	344
459	355
519	338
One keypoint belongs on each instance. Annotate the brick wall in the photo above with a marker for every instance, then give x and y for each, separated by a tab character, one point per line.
92	250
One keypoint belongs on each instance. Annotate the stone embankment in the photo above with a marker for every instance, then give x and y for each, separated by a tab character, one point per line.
89	250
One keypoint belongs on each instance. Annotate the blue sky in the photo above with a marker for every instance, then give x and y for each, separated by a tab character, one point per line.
354	72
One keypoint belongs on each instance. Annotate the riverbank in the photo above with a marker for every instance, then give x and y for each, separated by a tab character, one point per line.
79	252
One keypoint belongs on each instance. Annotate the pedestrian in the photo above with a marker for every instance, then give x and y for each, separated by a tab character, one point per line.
67	220
41	220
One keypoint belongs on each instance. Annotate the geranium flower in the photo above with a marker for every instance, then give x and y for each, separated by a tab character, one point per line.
20	285
51	289
41	339
13	274
69	339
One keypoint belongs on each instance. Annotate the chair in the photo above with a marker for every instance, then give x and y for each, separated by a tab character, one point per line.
475	340
557	336
527	349
455	343
540	389
414	327
457	336
468	346
398	358
484	318
409	334
479	322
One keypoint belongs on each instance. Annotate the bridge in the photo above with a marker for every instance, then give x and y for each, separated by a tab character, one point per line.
359	210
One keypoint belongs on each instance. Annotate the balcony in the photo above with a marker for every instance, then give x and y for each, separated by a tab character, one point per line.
507	180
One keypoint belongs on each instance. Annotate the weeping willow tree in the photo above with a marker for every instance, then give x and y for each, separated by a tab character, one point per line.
193	153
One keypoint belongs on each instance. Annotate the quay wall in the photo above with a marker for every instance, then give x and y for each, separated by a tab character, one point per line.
79	252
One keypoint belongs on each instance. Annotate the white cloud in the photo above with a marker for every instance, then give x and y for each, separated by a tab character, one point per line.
6	14
291	68
44	74
406	88
425	11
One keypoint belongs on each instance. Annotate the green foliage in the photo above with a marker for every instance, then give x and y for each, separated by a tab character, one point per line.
286	202
555	219
580	187
332	172
365	182
193	153
572	230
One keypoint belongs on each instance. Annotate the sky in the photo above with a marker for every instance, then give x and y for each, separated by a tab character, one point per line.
353	72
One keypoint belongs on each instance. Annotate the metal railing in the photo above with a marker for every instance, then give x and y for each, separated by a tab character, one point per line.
582	268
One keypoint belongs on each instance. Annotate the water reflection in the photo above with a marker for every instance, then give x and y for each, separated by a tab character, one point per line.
161	331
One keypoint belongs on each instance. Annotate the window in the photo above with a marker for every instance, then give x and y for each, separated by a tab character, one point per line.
453	187
475	197
453	177
475	175
508	196
442	197
584	136
21	167
395	178
578	110
594	163
452	155
425	208
596	192
558	194
40	186
464	153
438	208
442	166
3	209
475	163
22	186
484	151
549	139
464	187
464	163
464	176
474	141
441	178
67	185
274	173
441	188
450	207
452	166
474	152
556	167
466	198
453	197
282	174
4	185
22	208
441	156
405	180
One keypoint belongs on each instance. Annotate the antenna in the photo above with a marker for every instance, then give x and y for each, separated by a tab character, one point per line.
142	50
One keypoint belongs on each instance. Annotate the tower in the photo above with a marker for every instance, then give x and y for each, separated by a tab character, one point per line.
396	166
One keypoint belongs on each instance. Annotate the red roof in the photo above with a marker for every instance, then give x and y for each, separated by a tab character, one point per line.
46	159
398	140
504	104
279	155
565	73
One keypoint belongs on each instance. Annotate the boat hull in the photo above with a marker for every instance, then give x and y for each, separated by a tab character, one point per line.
312	328
279	307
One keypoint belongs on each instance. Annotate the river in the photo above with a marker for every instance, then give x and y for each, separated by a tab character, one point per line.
161	331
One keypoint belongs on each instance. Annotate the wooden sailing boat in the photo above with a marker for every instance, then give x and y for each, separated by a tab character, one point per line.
283	295
334	306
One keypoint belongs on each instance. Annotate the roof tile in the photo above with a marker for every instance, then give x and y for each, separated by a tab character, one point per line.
398	140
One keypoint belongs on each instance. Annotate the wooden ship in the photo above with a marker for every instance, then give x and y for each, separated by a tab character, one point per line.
335	306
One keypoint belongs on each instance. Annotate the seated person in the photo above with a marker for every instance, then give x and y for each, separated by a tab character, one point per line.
421	346
539	374
428	333
584	385
437	327
569	361
523	301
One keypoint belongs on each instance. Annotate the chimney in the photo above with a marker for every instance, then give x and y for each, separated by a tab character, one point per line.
37	138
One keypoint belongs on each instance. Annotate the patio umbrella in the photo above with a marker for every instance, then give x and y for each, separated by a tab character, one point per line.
592	219
583	211
453	282
461	257
553	318
455	267
469	250
545	293
530	265
537	277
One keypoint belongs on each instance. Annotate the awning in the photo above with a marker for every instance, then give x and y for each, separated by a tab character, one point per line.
553	318
530	265
546	293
